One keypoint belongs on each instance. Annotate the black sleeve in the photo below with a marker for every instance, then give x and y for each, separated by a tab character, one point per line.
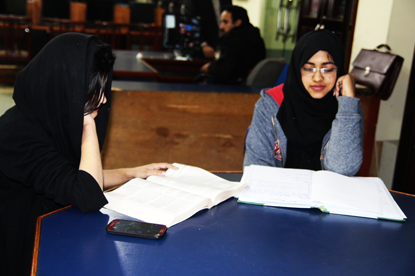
230	63
33	161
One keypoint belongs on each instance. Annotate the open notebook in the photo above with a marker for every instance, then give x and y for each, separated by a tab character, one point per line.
330	192
173	198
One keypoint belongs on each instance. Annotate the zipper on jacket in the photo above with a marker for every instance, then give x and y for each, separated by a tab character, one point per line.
321	157
278	140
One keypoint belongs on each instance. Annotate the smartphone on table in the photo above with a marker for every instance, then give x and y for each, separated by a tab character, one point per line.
136	229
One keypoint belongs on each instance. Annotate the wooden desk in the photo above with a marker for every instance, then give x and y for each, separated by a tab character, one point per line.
231	239
198	125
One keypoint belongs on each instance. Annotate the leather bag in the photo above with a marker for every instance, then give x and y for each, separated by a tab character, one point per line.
378	70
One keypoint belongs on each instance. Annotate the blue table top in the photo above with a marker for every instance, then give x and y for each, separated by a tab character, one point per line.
128	61
233	239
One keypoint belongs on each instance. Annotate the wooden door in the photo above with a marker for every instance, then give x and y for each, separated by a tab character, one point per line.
335	15
404	175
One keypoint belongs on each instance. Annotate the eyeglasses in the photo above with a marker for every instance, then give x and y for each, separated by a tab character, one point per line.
325	72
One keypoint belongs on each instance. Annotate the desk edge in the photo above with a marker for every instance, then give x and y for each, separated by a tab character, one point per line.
33	270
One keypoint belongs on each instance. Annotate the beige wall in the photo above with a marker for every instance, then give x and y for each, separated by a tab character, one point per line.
371	24
390	22
254	8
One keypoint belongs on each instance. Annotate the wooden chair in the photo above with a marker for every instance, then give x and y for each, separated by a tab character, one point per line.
146	36
60	26
266	72
114	34
17	43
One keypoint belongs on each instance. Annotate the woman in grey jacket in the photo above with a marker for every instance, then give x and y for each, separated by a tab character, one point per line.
312	121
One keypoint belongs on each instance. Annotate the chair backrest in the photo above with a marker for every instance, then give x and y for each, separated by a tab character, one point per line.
16	36
266	72
146	37
59	26
115	34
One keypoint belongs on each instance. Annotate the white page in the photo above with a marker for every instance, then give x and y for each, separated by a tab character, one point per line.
271	184
342	191
154	203
198	181
351	212
390	209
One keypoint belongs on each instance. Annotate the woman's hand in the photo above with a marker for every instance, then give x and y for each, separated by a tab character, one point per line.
120	176
151	169
346	85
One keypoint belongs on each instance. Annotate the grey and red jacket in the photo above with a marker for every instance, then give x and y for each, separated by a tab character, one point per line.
342	147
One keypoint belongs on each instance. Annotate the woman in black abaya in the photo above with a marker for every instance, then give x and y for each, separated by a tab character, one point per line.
50	142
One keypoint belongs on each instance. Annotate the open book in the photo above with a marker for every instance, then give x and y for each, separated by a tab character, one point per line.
173	198
330	192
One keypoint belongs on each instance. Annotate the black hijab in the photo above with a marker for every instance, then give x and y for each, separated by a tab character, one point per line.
51	91
306	120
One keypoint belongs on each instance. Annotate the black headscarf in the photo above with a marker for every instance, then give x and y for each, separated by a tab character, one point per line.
40	143
306	120
51	90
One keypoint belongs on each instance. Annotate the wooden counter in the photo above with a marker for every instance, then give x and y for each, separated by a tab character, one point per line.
204	129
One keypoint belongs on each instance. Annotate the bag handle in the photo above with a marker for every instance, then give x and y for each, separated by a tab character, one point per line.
388	49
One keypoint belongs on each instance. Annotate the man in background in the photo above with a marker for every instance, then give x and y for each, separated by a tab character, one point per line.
209	12
239	49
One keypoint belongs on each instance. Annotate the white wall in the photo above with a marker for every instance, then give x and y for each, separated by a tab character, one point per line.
372	23
390	22
401	38
254	8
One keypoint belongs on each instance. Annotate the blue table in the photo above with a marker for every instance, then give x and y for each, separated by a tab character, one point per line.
127	65
232	239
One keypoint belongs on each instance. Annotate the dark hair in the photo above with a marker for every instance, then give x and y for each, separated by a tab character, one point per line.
103	62
238	12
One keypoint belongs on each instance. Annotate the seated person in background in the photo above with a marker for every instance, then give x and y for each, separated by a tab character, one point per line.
50	142
209	12
300	124
239	48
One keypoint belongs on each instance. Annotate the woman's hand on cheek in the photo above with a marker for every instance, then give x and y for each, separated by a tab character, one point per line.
89	120
346	85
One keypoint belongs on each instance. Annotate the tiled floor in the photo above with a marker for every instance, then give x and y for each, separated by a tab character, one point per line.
6	100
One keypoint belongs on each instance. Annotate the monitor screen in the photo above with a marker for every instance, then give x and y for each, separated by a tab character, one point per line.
142	13
99	10
13	7
181	32
56	9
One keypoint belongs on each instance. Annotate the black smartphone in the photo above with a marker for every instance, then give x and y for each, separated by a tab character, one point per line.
136	229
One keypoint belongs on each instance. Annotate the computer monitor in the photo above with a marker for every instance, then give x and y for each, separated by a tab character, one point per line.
99	10
56	9
142	13
181	32
13	7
